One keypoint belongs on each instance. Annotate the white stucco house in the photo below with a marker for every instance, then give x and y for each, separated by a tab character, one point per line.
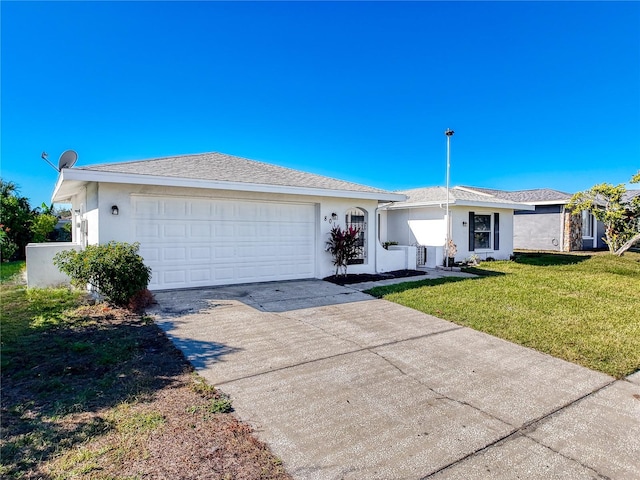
215	219
480	223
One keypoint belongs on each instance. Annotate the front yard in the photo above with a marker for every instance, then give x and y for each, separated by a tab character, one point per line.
582	308
90	391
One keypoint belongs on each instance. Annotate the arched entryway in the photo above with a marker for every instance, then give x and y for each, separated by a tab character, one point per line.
357	218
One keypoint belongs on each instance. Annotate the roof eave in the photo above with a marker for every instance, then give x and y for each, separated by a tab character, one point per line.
547	202
65	187
460	203
80	177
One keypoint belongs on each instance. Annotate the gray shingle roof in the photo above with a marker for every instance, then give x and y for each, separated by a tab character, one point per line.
228	168
456	195
630	194
528	196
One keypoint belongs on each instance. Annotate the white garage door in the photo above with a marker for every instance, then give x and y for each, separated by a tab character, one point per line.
198	242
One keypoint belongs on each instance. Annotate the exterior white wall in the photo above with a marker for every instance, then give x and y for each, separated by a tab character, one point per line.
397	257
421	226
427	226
41	272
104	227
460	233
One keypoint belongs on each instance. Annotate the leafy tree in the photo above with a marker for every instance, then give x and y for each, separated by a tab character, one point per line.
42	227
44	223
343	246
620	217
15	218
115	269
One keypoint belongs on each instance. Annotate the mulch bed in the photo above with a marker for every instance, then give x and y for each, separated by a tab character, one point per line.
352	278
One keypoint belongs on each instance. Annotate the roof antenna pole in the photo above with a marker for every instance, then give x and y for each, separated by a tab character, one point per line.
44	157
449	133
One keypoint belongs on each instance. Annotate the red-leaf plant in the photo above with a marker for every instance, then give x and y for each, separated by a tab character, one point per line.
343	246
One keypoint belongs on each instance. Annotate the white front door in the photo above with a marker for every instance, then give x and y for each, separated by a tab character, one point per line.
191	242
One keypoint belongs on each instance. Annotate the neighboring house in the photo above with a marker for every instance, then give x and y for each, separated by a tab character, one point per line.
550	226
481	224
214	219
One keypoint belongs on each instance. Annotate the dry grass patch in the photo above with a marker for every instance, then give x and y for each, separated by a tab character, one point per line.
97	392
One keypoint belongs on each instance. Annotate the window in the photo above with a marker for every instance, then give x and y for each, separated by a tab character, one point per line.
482	231
587	224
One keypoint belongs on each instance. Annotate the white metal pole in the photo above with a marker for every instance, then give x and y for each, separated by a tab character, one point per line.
449	134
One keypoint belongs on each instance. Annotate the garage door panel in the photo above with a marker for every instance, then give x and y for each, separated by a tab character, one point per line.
150	254
175	209
199	210
198	242
146	208
223	274
200	254
222	210
247	230
146	231
224	230
200	230
175	253
172	278
200	275
173	231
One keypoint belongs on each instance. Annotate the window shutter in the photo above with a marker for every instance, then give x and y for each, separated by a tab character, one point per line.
472	227
496	231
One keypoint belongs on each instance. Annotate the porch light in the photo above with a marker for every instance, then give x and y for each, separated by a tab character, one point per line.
114	210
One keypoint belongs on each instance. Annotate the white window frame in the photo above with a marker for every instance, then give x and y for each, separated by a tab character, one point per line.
491	230
589	216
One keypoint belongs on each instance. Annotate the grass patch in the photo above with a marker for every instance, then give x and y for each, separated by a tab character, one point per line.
90	391
582	308
9	270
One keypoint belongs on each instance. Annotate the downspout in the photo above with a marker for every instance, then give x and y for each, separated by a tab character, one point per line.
375	256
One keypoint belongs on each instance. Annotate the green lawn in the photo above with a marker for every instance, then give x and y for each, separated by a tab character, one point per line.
582	308
9	269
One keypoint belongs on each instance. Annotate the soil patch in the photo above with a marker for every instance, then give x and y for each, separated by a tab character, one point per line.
352	278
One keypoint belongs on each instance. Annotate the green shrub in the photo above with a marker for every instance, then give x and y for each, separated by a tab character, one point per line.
7	247
116	270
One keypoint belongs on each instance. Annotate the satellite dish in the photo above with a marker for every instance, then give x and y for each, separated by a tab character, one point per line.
67	160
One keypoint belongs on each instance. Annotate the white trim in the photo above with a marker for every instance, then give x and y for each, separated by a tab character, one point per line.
458	203
69	177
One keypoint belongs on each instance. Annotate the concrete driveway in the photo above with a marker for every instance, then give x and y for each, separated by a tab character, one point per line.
344	386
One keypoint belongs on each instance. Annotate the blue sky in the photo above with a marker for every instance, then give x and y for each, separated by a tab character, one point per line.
540	94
